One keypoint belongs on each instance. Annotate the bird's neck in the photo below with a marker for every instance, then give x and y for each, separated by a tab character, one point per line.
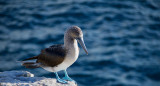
71	46
69	42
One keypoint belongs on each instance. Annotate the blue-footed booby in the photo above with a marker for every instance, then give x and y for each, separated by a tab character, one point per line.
61	56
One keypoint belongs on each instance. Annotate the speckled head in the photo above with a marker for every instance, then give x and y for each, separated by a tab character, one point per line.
75	32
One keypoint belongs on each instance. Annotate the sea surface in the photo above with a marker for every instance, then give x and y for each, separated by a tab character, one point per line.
122	38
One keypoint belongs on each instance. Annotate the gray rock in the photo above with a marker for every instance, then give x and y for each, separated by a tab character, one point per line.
24	78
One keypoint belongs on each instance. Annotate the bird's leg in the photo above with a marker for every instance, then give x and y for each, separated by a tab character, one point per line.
67	77
60	80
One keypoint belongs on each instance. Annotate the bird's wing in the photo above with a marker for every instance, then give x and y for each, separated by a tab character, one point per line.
52	56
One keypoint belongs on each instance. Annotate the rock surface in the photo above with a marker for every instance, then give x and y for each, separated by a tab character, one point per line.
24	78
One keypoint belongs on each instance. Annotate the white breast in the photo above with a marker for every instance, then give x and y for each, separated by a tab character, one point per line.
70	58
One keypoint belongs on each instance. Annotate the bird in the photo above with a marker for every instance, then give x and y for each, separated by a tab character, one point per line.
59	57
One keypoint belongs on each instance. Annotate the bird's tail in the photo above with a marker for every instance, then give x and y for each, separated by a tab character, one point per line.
31	64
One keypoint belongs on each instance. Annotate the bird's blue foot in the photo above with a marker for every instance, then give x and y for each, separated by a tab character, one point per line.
61	81
67	78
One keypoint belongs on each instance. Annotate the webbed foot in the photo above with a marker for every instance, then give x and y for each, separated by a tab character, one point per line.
62	81
67	79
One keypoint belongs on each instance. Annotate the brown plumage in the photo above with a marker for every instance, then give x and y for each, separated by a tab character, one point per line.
59	57
51	57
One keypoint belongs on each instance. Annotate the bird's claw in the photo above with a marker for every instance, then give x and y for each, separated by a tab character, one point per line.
62	81
67	79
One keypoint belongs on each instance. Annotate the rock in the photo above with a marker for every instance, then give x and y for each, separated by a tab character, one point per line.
24	78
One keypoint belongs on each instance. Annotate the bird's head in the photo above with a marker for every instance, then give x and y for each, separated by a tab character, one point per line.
76	33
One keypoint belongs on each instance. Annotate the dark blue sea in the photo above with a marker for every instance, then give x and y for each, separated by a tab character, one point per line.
122	38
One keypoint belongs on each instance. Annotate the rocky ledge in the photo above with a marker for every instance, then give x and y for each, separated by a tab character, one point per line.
24	78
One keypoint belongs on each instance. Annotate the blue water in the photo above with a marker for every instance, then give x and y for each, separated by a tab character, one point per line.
122	37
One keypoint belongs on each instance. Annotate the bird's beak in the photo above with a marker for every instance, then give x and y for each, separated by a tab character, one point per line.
81	42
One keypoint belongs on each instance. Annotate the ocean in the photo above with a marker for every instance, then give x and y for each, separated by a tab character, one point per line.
122	38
